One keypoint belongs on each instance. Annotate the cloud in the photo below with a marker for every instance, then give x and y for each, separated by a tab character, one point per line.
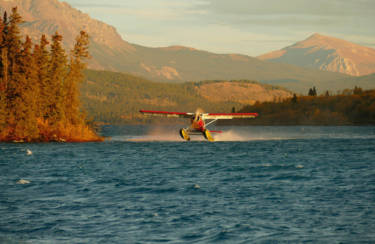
295	18
97	5
219	39
237	26
292	7
154	10
295	13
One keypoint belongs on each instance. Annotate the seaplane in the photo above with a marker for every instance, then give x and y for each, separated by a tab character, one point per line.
199	121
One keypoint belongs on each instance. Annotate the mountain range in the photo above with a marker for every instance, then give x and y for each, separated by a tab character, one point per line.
180	64
327	53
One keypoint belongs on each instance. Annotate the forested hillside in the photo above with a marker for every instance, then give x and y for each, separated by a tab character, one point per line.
39	87
351	107
117	97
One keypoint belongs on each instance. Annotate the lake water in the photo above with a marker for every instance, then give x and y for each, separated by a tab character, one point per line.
146	185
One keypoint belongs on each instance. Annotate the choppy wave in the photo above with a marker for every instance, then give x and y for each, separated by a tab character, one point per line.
276	184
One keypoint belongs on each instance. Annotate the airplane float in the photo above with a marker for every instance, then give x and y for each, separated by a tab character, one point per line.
198	121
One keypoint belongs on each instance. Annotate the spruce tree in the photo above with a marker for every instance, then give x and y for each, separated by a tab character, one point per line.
312	92
2	79
42	58
4	51
26	128
2	47
31	92
56	75
294	99
75	77
12	39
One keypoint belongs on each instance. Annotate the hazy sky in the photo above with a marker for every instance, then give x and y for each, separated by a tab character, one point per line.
251	27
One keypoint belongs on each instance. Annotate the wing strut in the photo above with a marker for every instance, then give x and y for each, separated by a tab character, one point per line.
211	122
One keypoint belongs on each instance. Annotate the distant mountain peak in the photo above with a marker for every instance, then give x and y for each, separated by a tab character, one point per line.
317	36
326	42
49	16
178	48
321	39
327	53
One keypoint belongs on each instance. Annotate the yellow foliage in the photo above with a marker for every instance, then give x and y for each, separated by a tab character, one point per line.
67	132
60	133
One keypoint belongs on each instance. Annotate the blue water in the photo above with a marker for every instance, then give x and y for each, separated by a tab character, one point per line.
255	185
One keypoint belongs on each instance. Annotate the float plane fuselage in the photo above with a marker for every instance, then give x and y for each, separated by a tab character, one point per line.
198	120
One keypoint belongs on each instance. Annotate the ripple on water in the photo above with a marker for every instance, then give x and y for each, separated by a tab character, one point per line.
312	188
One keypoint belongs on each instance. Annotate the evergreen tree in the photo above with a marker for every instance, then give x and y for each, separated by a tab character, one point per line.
312	92
13	43
294	99
42	58
57	73
357	90
27	91
75	77
5	17
13	39
4	51
2	78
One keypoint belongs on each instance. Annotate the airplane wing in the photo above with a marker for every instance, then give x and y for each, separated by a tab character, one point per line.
167	114
229	115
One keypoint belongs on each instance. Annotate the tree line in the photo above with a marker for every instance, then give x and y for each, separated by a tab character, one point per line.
116	98
39	86
351	107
